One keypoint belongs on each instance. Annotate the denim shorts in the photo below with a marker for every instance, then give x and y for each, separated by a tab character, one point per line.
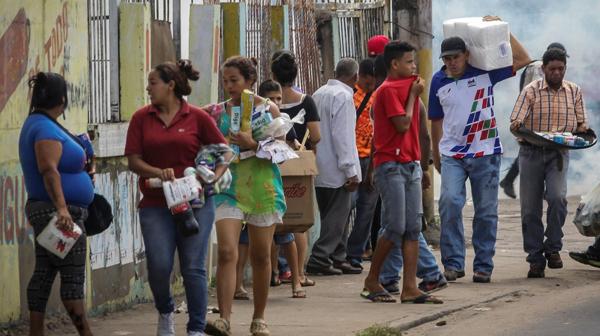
278	238
399	185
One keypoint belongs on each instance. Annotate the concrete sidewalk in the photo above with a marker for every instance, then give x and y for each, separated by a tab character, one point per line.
334	307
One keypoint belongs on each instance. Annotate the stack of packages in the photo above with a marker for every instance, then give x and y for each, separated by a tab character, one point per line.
564	138
266	130
488	42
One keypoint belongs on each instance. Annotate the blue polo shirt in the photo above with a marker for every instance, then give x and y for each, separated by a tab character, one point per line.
467	107
76	184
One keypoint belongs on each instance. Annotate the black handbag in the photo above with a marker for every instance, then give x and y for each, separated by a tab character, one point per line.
100	214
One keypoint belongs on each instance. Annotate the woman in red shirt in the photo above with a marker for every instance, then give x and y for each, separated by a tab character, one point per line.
162	140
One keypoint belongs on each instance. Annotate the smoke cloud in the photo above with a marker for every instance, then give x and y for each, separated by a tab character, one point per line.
536	24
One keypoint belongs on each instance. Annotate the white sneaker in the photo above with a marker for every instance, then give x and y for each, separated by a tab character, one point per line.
196	333
166	325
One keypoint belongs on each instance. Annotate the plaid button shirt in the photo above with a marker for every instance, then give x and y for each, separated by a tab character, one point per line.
542	109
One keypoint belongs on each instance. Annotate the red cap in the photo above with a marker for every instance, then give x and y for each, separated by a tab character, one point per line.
376	44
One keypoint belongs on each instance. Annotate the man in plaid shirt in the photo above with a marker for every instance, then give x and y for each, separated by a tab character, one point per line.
550	104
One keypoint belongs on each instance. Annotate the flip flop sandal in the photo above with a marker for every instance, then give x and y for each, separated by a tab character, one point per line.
377	297
275	281
307	282
298	294
218	327
423	299
241	296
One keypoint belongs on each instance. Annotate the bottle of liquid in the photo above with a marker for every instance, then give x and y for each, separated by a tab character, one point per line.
183	216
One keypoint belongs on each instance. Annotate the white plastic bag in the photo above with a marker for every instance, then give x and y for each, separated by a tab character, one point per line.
587	217
57	241
277	127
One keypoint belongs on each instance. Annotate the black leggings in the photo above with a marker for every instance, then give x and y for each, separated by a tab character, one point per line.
71	268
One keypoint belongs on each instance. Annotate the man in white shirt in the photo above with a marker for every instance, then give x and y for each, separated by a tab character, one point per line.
339	170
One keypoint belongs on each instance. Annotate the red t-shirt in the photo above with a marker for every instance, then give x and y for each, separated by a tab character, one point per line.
175	146
390	145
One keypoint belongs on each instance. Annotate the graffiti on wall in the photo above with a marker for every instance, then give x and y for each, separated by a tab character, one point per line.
35	35
122	243
13	224
14	49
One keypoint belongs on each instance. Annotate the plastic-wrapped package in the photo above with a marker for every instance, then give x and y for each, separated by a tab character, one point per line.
183	189
486	34
587	217
58	241
449	26
488	42
490	45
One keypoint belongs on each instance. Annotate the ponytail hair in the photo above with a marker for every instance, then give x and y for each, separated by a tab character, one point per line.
49	90
284	67
180	73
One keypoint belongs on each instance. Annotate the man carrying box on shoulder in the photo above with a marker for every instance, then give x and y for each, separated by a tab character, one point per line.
466	144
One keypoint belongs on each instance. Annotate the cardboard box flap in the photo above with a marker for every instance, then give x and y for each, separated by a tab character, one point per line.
306	164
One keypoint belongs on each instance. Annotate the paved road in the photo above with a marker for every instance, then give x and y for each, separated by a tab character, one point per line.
582	319
510	305
573	312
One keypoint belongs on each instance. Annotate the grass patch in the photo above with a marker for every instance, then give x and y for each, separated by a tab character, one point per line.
379	330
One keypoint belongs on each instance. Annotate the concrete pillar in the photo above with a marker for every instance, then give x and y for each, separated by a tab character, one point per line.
280	28
337	44
234	29
205	48
134	58
325	33
416	15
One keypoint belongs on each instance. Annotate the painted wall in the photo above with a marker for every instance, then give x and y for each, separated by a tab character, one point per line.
34	36
52	35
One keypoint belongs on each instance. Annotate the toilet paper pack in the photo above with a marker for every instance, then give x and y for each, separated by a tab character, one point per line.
488	42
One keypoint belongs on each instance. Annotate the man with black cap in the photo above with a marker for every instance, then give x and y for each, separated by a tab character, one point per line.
466	144
550	104
532	72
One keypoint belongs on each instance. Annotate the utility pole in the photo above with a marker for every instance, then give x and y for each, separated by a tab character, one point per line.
413	24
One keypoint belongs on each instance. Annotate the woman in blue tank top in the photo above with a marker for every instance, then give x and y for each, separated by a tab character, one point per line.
57	183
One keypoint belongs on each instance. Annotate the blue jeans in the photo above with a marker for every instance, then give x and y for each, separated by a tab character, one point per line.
483	174
427	268
366	202
161	238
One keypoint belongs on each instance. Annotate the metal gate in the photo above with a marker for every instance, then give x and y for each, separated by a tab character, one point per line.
303	43
354	22
103	28
302	37
99	61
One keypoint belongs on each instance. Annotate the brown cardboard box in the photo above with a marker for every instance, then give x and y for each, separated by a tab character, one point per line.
298	185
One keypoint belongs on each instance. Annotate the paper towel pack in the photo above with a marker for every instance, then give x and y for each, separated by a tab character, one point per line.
488	42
